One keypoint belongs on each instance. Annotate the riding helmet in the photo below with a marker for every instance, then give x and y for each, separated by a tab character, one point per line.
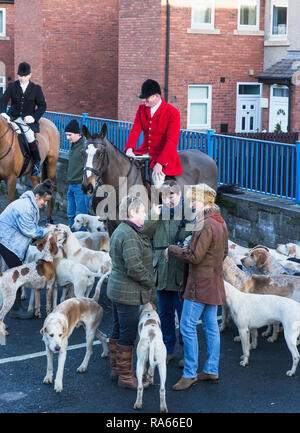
149	88
24	69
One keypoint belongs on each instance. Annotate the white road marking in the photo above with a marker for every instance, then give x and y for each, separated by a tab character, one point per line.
37	354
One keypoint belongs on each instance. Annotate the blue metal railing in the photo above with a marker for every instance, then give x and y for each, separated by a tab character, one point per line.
254	165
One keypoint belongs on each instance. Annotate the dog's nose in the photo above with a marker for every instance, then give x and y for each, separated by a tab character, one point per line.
98	228
57	348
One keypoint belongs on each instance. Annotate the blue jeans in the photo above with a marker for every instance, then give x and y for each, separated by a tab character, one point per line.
191	313
168	302
78	202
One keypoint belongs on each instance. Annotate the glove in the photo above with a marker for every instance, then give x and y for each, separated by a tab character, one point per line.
29	119
129	152
6	116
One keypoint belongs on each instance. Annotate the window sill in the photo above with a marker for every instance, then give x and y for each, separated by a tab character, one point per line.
204	31
249	32
277	43
4	38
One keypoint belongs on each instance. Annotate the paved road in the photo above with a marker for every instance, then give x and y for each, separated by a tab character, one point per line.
262	387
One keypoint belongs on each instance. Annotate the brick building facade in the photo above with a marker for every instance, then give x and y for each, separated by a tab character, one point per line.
6	43
73	50
206	55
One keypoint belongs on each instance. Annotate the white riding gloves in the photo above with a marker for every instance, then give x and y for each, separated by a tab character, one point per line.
129	152
6	116
29	119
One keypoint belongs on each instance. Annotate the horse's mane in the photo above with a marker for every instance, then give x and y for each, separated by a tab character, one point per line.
106	141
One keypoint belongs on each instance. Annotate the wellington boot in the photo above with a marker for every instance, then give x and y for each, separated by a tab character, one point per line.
127	378
113	358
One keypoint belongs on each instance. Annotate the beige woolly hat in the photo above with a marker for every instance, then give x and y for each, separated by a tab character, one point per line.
202	193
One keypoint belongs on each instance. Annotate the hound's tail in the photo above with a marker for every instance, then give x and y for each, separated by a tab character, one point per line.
99	287
152	361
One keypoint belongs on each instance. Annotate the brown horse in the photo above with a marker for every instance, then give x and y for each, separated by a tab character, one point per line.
106	164
12	159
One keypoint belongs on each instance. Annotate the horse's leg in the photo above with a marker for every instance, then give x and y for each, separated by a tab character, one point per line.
11	188
50	170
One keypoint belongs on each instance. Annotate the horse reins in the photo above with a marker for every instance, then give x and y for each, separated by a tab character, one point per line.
12	142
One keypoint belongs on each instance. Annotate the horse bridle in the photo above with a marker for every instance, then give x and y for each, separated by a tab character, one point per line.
98	172
12	142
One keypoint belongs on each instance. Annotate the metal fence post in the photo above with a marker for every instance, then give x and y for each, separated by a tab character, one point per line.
297	199
84	118
210	143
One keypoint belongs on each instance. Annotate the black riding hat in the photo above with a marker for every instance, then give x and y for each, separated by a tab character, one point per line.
24	69
149	88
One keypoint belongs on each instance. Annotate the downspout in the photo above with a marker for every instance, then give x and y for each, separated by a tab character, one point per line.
167	52
289	107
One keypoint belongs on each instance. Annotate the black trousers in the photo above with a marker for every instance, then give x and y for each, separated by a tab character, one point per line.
9	257
125	323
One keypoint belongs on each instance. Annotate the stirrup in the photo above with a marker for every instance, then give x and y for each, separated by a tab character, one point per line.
36	169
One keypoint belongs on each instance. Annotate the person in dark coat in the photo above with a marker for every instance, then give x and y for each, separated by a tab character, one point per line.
204	286
78	202
130	284
168	228
27	107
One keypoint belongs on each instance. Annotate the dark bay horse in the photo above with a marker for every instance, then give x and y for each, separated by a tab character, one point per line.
104	163
12	159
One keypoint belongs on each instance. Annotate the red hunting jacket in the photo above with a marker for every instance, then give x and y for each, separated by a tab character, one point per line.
161	135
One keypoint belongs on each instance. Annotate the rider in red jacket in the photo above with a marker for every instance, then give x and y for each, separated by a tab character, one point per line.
160	123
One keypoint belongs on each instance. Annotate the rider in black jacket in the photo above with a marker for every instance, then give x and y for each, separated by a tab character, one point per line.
27	107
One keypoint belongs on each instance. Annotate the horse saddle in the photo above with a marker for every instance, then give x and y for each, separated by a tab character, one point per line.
143	162
24	146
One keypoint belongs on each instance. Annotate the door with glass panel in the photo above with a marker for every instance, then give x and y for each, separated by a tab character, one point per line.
248	118
279	108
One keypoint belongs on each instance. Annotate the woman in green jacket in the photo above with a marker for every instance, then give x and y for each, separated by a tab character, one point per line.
130	284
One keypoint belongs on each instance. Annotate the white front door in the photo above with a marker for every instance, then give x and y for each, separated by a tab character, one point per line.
248	118
279	108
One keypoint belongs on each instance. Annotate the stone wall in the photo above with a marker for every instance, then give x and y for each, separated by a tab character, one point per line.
254	219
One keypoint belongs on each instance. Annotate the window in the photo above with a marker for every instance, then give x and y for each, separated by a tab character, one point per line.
248	15
2	85
199	106
203	14
279	18
2	22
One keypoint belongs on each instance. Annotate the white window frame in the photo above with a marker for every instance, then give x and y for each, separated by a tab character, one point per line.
208	101
279	3
249	27
195	25
3	33
2	82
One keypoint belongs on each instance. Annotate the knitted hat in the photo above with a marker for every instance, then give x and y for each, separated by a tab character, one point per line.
24	69
73	127
202	192
149	88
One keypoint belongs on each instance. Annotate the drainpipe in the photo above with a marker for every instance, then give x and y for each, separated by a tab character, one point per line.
289	105
167	52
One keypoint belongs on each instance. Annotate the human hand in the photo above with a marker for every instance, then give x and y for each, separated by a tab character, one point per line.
129	152
157	170
6	116
156	208
29	119
166	254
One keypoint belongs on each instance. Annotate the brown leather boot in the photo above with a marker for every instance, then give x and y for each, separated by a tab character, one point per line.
113	358
127	377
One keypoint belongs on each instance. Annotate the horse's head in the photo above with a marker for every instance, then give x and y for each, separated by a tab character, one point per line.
94	156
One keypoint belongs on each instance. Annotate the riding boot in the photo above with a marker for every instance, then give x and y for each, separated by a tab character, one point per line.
17	311
36	166
113	358
127	378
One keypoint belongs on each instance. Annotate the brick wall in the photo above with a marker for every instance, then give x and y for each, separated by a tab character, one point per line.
295	107
141	51
73	49
194	58
7	44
